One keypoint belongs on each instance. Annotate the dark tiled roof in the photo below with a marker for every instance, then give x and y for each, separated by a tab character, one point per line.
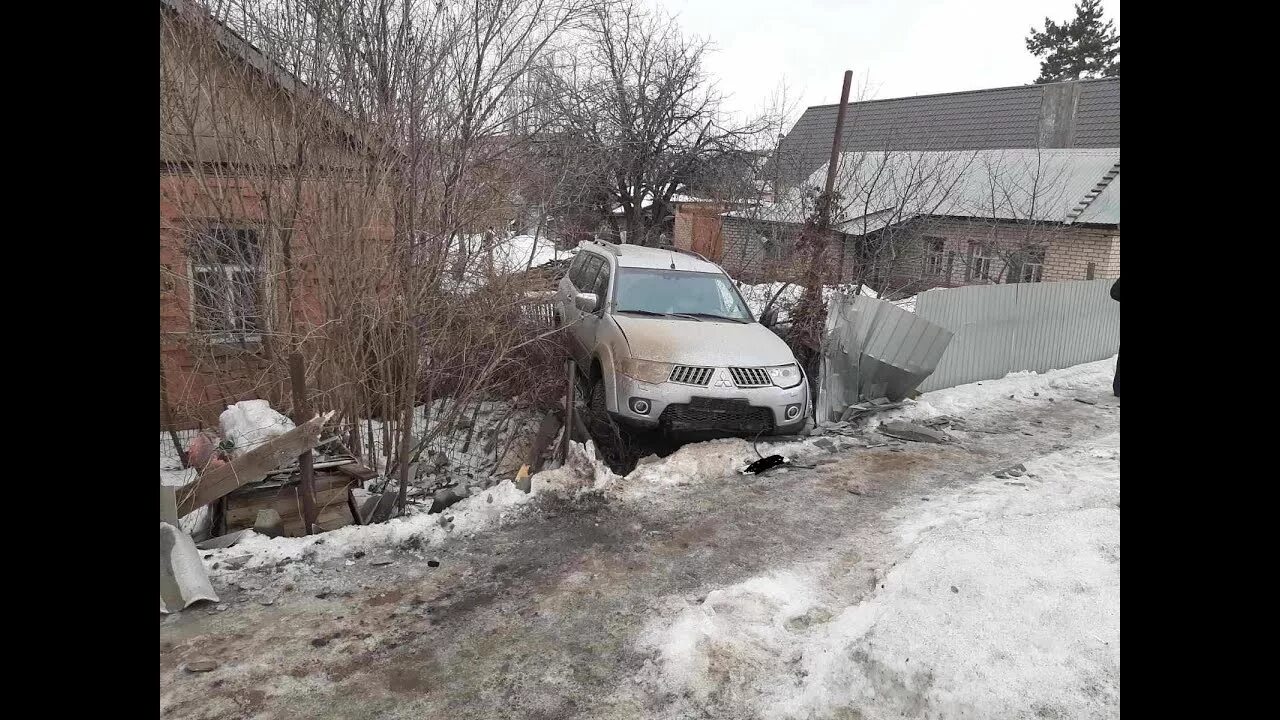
1000	118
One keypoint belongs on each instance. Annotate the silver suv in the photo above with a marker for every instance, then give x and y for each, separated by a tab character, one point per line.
665	340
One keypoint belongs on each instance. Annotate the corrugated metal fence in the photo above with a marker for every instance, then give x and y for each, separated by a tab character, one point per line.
1000	329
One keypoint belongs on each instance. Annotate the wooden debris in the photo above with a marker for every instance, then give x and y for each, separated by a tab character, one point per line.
252	466
333	509
523	482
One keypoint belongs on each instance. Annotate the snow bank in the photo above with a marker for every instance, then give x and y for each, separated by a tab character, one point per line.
710	461
476	513
512	255
1004	602
1022	386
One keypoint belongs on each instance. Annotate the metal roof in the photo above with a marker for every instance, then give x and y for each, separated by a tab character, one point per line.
1058	185
1079	114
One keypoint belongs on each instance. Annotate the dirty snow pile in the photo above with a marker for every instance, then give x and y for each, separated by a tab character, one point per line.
583	472
1001	601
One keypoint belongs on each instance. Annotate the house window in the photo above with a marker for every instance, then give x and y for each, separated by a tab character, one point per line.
983	260
226	277
934	257
1033	267
772	248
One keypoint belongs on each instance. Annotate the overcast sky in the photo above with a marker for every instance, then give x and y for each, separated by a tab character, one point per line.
903	47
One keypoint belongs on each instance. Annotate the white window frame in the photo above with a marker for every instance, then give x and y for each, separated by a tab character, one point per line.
232	337
935	259
1033	272
984	258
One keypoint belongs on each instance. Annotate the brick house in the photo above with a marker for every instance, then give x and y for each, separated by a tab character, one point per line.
988	146
943	219
234	200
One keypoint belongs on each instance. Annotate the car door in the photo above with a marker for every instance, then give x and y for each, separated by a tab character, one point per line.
583	282
589	325
567	288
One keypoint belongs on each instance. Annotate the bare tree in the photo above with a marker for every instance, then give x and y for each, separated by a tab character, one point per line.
636	100
326	166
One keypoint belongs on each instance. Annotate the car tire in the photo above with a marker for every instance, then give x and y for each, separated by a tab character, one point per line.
598	407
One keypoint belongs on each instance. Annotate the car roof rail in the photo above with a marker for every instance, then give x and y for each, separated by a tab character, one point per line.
607	246
685	251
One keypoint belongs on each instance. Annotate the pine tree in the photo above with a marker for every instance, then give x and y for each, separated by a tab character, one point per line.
1084	47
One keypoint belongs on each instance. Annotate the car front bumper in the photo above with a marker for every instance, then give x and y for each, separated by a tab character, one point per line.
687	403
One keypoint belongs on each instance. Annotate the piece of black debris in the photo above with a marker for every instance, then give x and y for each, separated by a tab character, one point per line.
433	563
201	666
381	561
358	554
1086	402
319	642
764	465
955	589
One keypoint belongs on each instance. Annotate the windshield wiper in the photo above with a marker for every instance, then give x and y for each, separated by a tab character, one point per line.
662	314
717	317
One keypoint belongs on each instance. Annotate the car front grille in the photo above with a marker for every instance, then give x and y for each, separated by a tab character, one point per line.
689	375
750	377
720	414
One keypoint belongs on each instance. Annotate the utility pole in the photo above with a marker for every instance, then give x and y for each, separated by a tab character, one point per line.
810	315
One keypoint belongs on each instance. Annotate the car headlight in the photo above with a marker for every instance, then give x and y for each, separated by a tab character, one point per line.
786	376
645	370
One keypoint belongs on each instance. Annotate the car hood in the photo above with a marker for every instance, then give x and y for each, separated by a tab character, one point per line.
709	343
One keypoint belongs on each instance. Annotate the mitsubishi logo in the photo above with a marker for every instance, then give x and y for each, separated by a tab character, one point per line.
724	380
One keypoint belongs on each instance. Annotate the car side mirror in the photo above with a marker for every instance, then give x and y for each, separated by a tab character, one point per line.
586	302
770	317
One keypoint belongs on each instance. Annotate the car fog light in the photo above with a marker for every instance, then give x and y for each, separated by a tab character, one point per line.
640	406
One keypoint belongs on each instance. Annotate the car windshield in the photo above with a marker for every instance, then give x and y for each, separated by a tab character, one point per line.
670	292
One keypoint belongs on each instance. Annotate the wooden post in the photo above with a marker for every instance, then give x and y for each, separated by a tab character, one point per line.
168	417
562	452
406	418
406	437
306	488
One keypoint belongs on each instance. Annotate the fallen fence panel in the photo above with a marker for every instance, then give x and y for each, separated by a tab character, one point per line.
874	349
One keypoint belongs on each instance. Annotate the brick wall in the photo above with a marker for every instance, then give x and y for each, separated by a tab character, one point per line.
1068	251
1071	254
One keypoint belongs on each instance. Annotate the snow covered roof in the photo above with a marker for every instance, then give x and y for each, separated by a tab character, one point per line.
1074	113
1048	185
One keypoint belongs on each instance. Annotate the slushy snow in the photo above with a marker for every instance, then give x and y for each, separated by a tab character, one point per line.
1002	599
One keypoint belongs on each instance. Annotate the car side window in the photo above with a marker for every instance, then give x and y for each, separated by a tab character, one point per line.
602	284
594	267
586	279
575	268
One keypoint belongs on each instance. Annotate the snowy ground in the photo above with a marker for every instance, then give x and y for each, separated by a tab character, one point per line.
883	582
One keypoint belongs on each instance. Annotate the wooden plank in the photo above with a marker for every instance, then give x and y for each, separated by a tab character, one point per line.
251	466
322	465
358	471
